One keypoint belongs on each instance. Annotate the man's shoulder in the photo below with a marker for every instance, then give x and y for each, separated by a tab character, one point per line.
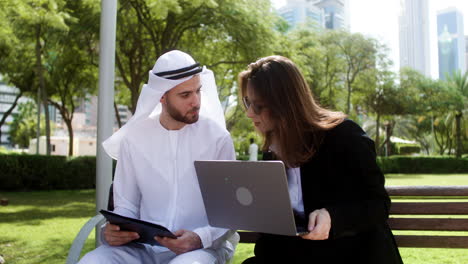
209	127
140	130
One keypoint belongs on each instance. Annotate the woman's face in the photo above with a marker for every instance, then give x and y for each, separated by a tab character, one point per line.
257	111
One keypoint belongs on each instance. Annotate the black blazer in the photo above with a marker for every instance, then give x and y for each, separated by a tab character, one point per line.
344	178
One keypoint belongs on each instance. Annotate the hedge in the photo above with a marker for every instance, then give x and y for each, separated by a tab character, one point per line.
39	172
36	172
422	164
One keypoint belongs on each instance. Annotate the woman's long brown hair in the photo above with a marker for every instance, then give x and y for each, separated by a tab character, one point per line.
299	122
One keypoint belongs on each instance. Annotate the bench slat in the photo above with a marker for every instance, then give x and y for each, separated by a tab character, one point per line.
432	241
402	240
427	190
420	208
429	224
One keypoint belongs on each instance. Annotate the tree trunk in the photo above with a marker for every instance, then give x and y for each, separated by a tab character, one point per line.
377	135
388	143
68	123
458	145
8	112
47	122
42	86
117	116
134	94
38	120
348	99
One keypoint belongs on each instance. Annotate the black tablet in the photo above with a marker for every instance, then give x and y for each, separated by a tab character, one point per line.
146	230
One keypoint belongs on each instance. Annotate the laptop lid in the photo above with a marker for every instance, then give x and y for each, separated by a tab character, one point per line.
243	195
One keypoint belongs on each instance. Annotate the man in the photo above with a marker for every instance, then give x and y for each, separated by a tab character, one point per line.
253	150
155	178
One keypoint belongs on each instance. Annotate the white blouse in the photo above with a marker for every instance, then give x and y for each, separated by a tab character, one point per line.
295	189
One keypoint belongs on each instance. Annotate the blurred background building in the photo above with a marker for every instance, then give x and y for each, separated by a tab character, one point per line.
451	42
330	14
414	35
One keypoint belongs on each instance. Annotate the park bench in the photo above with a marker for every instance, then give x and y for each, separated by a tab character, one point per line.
416	215
421	215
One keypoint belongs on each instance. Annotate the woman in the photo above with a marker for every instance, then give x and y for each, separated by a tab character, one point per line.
334	181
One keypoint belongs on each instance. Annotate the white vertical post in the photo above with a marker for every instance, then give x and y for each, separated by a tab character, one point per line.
105	102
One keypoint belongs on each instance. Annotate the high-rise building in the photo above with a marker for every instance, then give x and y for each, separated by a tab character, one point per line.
466	53
414	35
89	107
331	14
451	42
8	95
297	12
336	13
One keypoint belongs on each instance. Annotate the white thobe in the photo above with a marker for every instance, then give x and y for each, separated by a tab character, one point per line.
155	178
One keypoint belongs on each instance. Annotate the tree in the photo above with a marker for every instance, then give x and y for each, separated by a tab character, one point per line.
7	37
72	70
35	20
315	52
418	124
23	126
359	53
458	84
18	71
219	33
436	101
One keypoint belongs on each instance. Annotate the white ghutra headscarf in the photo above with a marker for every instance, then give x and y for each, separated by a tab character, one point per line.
171	69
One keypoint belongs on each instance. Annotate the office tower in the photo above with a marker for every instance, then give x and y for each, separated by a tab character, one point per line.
451	42
336	13
297	12
414	35
331	14
7	98
466	53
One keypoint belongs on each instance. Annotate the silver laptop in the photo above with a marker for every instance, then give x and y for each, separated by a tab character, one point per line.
244	195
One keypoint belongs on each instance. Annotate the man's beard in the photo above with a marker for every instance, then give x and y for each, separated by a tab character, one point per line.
177	115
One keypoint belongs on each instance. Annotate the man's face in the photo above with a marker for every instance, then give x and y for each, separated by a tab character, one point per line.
182	102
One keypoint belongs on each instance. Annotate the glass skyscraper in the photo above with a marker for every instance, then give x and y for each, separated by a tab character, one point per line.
414	35
331	14
451	42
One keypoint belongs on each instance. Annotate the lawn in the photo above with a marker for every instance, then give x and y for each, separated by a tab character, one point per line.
39	227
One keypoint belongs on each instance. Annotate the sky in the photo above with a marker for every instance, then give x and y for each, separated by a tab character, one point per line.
379	19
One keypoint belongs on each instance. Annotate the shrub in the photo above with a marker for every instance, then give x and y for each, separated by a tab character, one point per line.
81	173
406	149
424	164
37	172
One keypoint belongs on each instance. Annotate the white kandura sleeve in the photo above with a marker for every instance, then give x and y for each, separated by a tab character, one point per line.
208	234
127	195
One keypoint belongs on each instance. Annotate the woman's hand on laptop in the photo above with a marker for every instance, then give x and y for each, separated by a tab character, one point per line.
319	225
186	241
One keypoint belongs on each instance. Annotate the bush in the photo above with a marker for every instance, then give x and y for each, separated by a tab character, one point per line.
406	149
39	172
406	164
82	173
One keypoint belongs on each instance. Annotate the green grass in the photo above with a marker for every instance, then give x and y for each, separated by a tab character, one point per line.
39	227
426	179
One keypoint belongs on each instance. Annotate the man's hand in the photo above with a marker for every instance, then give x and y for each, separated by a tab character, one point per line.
115	237
186	241
319	225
